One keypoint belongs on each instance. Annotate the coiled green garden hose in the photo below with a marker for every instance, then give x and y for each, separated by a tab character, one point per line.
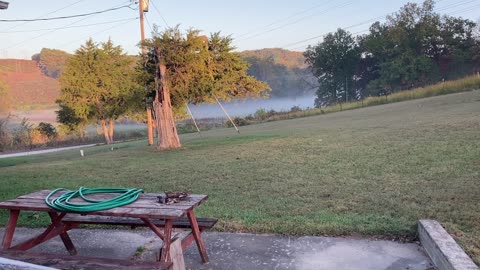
63	203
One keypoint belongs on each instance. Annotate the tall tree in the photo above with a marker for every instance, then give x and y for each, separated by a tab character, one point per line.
97	85
413	47
334	62
416	46
185	68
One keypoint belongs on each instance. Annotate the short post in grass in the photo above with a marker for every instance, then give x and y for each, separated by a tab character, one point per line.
81	153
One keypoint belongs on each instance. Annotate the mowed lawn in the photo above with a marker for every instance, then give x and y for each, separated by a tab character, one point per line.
373	171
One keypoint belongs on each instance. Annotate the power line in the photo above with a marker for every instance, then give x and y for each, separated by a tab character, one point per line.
66	17
470	8
46	14
452	5
284	19
344	4
99	32
148	23
49	32
158	11
68	27
344	28
456	4
465	9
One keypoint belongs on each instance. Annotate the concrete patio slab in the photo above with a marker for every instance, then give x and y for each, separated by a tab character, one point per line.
248	251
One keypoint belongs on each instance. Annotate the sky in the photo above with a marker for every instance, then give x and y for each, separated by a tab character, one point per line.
253	24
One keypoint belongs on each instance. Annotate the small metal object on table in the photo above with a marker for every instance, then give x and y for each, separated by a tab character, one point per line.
147	209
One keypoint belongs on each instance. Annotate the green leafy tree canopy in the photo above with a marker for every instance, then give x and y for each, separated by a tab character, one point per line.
334	62
199	68
97	85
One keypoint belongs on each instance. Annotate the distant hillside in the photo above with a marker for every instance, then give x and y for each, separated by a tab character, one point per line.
51	61
290	59
33	84
27	86
285	71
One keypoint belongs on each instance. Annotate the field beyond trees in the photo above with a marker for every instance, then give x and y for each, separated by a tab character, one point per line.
373	171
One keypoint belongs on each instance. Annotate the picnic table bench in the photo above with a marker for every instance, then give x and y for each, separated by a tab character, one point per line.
58	261
145	211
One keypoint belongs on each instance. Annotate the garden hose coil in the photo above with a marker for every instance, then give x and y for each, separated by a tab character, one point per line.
63	203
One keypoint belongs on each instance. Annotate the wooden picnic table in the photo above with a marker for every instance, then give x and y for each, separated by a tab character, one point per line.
146	209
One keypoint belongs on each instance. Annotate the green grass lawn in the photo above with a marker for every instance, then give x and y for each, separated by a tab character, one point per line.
373	171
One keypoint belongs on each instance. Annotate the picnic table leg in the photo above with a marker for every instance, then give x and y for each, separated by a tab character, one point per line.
63	235
54	229
165	252
197	235
10	229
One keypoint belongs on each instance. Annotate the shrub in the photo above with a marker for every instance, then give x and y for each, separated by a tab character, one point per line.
47	130
261	114
37	137
186	128
4	134
249	117
295	109
239	121
21	135
271	113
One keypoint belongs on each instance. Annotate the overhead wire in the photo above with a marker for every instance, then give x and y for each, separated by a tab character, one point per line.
452	5
305	11
64	17
99	32
344	28
51	12
344	4
61	28
148	22
160	14
284	19
456	4
51	31
465	9
440	9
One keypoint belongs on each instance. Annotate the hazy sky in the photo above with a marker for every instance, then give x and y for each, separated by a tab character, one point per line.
252	24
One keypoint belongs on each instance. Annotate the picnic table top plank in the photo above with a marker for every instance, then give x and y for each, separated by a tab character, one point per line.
140	203
119	211
146	206
43	193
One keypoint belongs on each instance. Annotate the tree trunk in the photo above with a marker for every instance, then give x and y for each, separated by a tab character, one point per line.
154	125
165	123
110	131
105	131
82	134
149	125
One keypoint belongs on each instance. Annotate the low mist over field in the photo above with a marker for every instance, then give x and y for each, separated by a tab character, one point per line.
246	107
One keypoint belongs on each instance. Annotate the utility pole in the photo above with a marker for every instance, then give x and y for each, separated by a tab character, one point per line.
142	25
142	8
